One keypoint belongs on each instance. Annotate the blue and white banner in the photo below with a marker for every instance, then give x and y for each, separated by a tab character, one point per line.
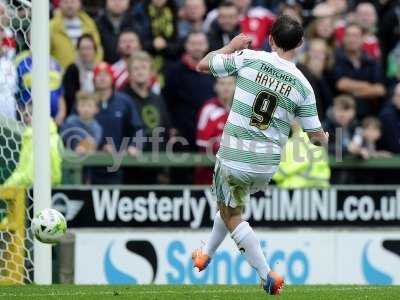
303	257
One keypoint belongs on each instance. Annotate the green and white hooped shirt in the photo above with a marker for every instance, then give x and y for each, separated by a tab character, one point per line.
270	92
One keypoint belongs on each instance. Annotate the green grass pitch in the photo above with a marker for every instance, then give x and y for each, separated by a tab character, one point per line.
192	292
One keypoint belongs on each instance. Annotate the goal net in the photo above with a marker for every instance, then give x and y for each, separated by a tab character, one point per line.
16	205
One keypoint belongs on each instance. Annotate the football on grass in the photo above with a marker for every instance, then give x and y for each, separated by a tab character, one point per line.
49	226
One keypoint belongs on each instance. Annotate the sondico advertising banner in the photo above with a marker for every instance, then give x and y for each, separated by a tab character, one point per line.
303	257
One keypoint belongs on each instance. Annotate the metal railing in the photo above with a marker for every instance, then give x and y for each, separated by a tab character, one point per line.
73	164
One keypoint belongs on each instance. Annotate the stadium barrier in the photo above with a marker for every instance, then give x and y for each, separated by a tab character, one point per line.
145	234
73	164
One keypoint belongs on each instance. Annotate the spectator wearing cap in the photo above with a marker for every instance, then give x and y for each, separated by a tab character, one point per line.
390	120
191	17
79	75
67	25
119	119
225	27
357	74
116	18
186	90
128	44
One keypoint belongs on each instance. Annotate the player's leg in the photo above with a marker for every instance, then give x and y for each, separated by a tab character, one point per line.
201	257
240	186
249	245
245	239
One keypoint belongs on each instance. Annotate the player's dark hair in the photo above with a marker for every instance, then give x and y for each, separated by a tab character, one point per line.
286	32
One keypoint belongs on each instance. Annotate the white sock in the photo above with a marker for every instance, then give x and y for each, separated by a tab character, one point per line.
218	234
249	245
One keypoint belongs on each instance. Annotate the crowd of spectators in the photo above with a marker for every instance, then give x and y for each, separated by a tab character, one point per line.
130	66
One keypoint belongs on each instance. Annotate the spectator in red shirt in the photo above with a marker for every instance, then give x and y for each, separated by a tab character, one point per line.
211	121
365	15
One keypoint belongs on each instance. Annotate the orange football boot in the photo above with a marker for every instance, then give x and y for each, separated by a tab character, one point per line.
274	283
200	260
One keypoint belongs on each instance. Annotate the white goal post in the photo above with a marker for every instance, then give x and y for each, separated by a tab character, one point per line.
40	47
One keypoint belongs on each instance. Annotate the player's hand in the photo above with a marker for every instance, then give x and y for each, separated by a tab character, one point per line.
240	42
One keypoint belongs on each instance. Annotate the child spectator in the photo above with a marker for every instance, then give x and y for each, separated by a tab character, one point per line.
365	139
81	132
340	124
211	121
79	75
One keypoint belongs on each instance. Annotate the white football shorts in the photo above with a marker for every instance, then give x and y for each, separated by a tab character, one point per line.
233	187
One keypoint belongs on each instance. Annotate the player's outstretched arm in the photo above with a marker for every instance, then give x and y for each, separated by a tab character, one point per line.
238	43
319	138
